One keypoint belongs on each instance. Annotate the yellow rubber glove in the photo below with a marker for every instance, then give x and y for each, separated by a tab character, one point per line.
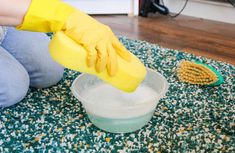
98	39
101	44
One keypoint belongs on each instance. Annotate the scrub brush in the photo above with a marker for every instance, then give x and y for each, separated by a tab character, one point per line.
198	73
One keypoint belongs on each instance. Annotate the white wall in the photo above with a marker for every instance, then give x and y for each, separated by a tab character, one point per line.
129	7
204	9
196	8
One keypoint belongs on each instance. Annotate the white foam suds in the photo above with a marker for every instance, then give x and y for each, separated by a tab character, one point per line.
105	94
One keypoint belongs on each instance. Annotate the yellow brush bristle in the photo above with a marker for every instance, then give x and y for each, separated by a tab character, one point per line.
194	73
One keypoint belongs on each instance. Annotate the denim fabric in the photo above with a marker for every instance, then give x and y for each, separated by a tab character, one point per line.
3	31
25	61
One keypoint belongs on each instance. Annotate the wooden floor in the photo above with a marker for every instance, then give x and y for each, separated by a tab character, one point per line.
206	38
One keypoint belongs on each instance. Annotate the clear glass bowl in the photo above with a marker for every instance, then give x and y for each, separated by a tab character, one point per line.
116	111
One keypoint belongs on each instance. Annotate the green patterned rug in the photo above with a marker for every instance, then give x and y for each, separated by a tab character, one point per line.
190	118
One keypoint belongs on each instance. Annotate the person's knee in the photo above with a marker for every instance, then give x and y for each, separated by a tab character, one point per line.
34	55
13	88
48	75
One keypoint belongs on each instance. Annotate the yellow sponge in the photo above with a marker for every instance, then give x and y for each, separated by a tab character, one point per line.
73	56
198	73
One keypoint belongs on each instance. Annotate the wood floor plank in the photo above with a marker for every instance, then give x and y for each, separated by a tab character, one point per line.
201	37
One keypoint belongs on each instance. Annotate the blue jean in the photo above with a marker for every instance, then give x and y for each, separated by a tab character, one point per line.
25	61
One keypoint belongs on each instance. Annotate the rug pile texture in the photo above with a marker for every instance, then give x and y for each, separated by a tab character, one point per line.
190	118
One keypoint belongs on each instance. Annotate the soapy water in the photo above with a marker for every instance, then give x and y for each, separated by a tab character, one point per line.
104	94
113	103
120	125
119	121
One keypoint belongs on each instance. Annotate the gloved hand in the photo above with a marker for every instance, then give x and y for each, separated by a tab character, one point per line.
98	39
101	44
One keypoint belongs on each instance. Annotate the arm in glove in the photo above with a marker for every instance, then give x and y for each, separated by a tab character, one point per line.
101	44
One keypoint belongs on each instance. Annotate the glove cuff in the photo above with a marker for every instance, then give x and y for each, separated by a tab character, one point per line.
46	16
